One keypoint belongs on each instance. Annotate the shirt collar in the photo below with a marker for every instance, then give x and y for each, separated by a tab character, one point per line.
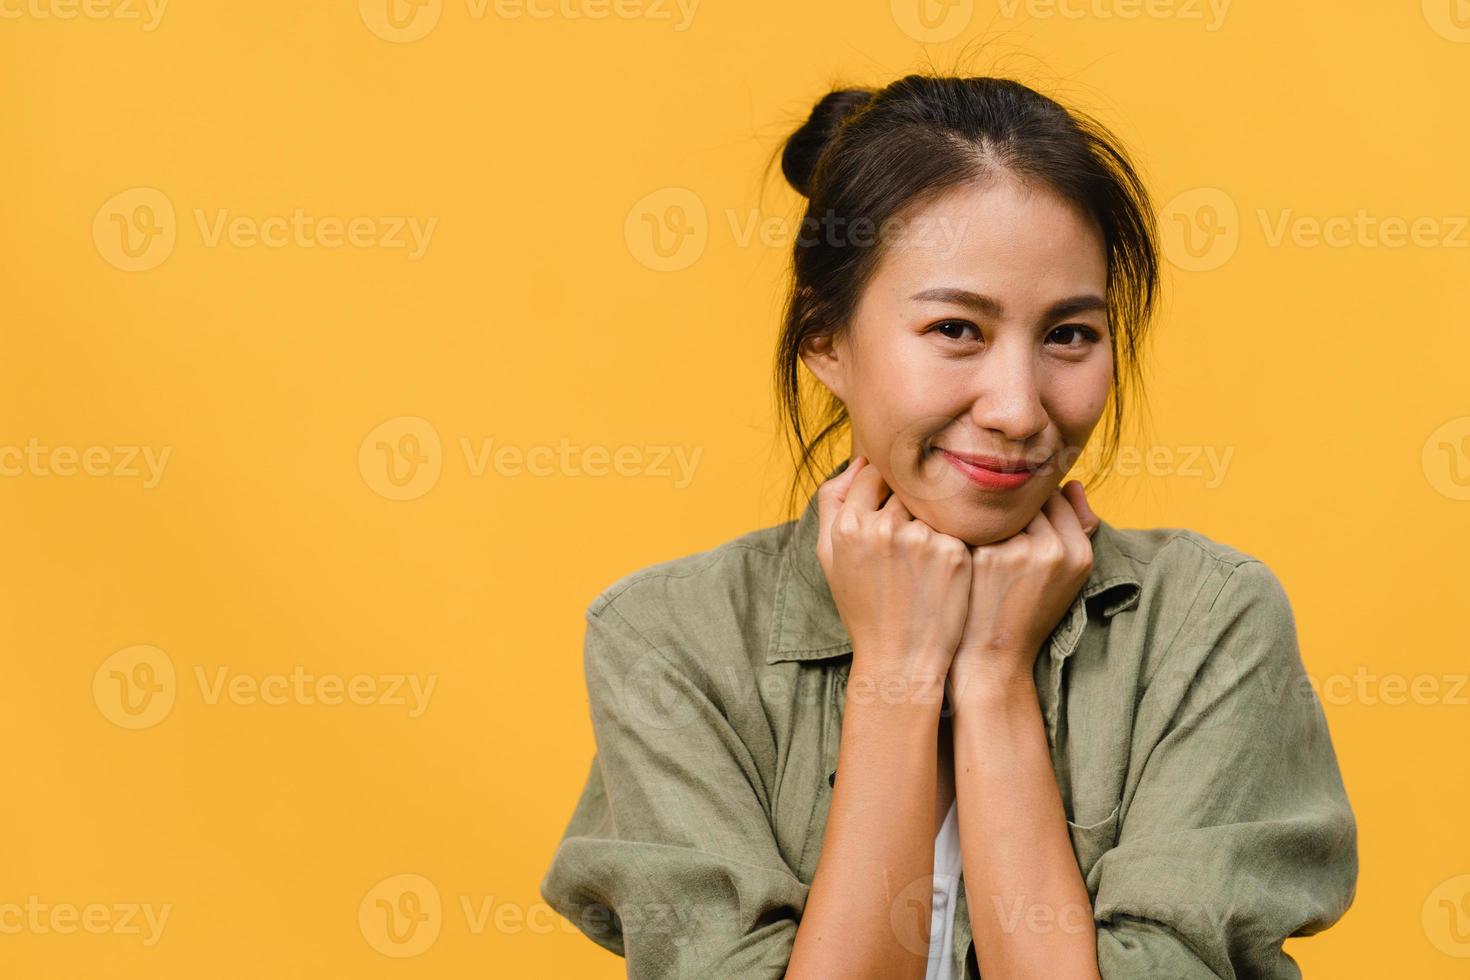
806	625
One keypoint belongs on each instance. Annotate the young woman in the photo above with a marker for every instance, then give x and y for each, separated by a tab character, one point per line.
949	721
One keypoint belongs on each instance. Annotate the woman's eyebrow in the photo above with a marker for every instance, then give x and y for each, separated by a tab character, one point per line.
992	307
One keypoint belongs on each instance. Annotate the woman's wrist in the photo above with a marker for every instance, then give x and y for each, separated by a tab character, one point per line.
892	682
991	687
893	675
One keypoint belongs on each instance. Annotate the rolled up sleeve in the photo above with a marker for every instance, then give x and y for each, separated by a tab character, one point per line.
1237	833
669	858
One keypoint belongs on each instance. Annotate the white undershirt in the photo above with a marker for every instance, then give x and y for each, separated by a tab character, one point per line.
947	867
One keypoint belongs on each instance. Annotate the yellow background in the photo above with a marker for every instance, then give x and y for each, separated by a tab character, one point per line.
546	148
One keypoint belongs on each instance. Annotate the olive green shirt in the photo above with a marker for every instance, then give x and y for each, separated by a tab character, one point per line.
1201	789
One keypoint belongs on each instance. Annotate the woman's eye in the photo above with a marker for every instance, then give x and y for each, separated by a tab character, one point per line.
1086	334
955	329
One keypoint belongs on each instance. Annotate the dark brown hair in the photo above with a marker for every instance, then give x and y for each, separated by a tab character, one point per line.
865	157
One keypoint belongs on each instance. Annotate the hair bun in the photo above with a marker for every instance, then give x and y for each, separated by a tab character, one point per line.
804	147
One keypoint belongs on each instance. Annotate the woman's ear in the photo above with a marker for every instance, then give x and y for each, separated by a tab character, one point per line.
821	354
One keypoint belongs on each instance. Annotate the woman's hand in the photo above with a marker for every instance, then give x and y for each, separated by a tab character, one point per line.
900	586
1019	589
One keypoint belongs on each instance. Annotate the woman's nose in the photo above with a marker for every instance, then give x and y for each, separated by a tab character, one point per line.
1007	396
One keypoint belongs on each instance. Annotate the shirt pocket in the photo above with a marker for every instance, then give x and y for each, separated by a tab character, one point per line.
1091	841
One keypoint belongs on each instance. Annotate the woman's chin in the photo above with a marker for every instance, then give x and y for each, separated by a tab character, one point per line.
974	526
949	503
989	534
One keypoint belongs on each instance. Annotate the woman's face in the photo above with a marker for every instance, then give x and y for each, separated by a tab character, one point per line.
982	333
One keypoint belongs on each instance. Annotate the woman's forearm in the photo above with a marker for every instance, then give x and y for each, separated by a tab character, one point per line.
873	877
1030	913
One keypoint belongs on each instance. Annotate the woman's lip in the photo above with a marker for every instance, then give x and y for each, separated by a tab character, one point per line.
995	463
986	477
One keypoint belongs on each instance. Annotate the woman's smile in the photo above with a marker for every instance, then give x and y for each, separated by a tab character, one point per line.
991	473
